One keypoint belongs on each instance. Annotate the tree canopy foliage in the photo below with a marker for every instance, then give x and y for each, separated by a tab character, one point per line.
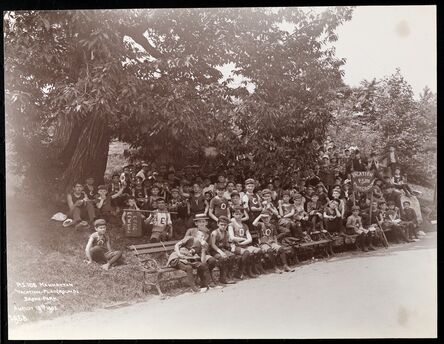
74	80
385	113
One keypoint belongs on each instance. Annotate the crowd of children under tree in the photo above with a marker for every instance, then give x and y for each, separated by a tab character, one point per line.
215	214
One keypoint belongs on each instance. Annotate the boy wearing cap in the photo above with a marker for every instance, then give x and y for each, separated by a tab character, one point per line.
268	241
191	253
220	250
267	204
160	219
251	200
151	203
409	220
98	248
354	226
218	205
240	243
201	230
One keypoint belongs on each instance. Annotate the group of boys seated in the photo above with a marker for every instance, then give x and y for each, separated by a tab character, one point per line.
215	219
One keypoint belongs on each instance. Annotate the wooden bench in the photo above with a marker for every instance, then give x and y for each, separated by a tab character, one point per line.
149	265
324	245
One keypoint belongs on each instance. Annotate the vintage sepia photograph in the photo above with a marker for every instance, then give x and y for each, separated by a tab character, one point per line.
221	173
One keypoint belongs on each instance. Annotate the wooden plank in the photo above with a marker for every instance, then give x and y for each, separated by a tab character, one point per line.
154	250
314	243
153	245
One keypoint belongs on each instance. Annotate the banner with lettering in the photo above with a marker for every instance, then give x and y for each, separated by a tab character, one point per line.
362	181
133	227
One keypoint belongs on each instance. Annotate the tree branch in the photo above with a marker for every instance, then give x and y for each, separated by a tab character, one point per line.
136	33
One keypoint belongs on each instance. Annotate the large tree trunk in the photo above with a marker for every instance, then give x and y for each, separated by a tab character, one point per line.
90	153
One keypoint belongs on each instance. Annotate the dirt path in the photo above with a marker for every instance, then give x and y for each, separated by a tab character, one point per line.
387	293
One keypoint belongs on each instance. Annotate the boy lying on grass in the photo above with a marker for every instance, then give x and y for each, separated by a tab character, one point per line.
98	248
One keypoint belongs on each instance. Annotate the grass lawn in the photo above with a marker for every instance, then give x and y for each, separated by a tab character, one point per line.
41	250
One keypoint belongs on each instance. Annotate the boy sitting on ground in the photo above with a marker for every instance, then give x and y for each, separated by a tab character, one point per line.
80	208
98	248
104	203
